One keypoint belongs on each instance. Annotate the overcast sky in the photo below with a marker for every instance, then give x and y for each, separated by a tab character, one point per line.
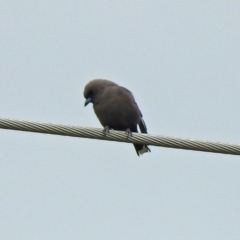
181	60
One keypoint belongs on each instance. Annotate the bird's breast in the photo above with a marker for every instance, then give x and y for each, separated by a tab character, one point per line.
118	115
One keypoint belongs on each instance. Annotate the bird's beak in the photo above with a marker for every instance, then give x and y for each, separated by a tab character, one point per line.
88	100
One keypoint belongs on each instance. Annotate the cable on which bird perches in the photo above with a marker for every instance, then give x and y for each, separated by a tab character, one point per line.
97	133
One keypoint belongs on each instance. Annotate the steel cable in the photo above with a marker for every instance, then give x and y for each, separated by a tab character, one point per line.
96	133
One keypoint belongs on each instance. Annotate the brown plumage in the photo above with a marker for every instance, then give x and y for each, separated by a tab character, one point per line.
115	108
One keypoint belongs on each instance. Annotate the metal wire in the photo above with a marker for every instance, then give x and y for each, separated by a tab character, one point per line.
96	133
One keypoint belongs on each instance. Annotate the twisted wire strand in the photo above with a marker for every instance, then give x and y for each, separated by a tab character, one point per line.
96	133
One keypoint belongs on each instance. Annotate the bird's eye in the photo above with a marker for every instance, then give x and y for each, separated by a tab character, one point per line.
90	93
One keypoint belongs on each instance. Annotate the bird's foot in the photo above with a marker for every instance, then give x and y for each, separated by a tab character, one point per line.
106	131
129	133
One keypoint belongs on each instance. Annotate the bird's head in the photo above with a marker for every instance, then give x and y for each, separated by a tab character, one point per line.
94	89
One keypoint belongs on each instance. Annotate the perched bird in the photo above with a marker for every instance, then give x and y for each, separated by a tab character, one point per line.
115	108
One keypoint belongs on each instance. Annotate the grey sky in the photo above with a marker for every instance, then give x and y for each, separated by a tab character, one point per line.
181	61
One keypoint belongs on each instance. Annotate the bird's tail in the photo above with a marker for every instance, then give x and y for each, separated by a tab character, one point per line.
141	149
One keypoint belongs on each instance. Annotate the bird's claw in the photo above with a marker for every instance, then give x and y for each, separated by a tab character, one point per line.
129	133
106	131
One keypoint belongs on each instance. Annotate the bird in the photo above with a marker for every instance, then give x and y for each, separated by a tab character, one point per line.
115	108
